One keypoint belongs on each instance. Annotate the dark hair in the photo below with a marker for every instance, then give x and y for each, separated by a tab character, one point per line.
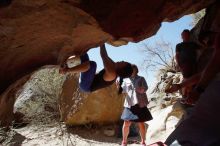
135	66
125	72
186	30
120	87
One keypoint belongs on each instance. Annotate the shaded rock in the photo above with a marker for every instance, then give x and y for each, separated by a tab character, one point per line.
100	107
11	138
7	101
39	97
19	120
5	2
32	33
137	20
109	132
202	126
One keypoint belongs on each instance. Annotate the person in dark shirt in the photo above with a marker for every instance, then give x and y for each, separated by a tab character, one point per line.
186	58
186	55
202	126
89	80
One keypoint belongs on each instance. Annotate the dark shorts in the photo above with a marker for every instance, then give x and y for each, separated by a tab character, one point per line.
86	78
136	114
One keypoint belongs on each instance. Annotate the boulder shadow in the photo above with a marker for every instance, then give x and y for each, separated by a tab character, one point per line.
15	139
104	133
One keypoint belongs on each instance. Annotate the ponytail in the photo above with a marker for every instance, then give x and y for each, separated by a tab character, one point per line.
120	85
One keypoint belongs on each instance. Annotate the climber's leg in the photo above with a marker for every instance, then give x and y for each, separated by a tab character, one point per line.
87	77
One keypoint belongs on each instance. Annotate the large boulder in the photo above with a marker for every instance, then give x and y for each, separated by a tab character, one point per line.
37	101
100	107
43	98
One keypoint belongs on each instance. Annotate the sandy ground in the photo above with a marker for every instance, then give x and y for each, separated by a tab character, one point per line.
46	131
56	134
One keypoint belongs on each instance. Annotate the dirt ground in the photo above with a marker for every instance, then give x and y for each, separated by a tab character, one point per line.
57	134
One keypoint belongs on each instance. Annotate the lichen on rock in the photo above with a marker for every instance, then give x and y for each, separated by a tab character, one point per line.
39	97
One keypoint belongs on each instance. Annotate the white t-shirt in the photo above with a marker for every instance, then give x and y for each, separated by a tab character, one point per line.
133	97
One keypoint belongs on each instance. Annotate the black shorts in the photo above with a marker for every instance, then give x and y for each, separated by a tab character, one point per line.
136	114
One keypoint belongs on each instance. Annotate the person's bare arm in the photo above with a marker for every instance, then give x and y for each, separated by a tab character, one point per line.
76	69
191	81
105	57
80	68
188	82
177	57
109	65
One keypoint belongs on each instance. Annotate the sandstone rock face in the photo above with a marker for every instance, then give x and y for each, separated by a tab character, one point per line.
32	34
35	33
100	107
140	19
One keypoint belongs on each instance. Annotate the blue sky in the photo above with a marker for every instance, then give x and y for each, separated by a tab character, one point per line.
131	52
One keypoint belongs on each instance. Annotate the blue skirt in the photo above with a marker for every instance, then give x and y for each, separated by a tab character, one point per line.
136	114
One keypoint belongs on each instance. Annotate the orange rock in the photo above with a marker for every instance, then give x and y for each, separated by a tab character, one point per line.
100	107
32	33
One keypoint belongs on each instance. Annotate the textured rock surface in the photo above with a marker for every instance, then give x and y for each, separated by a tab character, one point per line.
165	121
37	33
165	108
38	100
32	33
137	20
103	106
